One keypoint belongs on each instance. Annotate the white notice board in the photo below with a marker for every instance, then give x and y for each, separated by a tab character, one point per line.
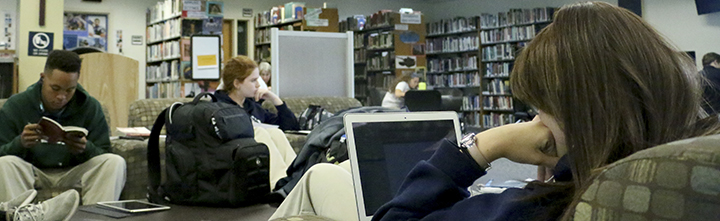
312	63
205	57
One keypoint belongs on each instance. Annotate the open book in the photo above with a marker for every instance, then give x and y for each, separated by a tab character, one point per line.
56	133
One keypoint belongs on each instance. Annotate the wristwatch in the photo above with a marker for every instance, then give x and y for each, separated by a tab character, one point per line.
468	142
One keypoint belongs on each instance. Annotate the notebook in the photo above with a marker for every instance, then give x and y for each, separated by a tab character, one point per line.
384	147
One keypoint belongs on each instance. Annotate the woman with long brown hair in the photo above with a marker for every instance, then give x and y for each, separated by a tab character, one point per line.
606	85
395	96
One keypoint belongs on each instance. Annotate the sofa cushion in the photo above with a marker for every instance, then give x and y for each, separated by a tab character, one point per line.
144	112
298	104
675	181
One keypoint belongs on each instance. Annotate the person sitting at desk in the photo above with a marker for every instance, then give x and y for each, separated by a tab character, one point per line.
394	98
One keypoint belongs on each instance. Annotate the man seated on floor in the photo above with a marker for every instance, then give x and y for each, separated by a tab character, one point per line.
29	161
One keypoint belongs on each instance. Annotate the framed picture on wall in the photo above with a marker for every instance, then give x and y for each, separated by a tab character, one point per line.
85	30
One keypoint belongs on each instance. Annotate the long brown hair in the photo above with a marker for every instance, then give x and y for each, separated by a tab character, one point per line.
239	67
613	84
404	77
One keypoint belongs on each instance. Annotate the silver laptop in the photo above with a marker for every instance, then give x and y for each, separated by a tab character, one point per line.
384	147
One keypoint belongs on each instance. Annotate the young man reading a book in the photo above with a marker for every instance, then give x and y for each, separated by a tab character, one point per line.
28	159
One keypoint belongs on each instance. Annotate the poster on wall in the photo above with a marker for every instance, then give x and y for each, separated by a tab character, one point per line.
7	33
85	30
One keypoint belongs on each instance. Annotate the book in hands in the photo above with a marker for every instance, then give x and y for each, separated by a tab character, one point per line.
56	133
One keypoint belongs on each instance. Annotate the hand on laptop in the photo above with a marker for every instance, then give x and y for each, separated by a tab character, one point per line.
522	143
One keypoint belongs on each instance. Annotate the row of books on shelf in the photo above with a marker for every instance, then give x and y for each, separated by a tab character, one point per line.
383	61
455	80
360	55
452	44
514	33
361	89
165	50
383	81
262	36
470	103
164	90
501	51
498	69
465	62
290	11
497	103
164	30
164	10
497	119
172	70
454	25
497	86
380	40
382	18
488	120
358	40
175	90
516	17
354	23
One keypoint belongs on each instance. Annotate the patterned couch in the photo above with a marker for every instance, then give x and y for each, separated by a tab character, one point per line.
143	113
675	181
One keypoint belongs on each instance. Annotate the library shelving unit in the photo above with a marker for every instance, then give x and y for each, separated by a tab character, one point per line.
386	36
168	34
452	47
501	36
313	19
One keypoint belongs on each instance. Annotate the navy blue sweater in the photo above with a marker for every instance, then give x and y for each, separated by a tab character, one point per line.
284	117
437	190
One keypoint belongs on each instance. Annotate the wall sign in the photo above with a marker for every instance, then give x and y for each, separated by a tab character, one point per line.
41	43
247	12
137	39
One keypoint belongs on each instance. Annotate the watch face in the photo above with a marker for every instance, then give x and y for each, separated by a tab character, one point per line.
468	140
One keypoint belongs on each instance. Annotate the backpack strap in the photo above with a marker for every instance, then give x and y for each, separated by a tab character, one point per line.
153	158
197	98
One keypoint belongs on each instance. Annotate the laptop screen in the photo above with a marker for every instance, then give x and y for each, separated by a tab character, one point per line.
387	151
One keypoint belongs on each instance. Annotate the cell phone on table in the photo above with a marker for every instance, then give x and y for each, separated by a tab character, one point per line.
133	206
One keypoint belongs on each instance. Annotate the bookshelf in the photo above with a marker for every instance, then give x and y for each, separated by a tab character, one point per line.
311	19
501	36
379	43
168	31
452	47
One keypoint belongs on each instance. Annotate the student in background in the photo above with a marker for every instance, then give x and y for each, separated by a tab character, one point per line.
582	73
395	96
240	86
27	161
265	73
711	71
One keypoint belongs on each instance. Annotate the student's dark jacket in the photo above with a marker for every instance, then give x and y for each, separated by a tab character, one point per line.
284	117
712	89
82	110
437	190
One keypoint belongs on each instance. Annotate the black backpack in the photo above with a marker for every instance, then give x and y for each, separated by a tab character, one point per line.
211	156
312	116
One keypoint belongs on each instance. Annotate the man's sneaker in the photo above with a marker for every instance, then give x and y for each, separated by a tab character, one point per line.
61	207
19	201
